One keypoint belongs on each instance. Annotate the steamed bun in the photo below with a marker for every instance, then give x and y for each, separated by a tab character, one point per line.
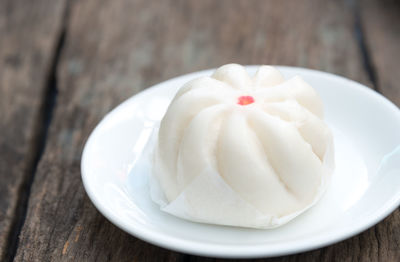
240	150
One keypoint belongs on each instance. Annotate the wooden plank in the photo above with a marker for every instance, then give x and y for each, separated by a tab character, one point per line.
28	33
381	29
116	48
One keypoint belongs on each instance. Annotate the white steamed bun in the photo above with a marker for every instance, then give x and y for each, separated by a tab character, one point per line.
243	151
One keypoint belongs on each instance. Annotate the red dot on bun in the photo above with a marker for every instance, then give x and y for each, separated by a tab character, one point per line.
245	100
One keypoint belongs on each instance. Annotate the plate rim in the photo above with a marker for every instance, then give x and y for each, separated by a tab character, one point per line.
226	251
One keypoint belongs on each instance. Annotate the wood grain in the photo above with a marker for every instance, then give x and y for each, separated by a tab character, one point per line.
114	49
381	26
28	35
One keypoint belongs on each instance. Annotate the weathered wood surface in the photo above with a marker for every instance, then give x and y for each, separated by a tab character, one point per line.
113	49
28	33
381	26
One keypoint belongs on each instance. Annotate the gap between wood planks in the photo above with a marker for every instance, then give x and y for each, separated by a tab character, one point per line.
48	104
368	64
38	141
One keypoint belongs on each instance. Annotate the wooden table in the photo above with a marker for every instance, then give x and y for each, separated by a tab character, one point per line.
64	64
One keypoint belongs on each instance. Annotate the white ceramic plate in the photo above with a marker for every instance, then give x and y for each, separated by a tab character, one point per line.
365	187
